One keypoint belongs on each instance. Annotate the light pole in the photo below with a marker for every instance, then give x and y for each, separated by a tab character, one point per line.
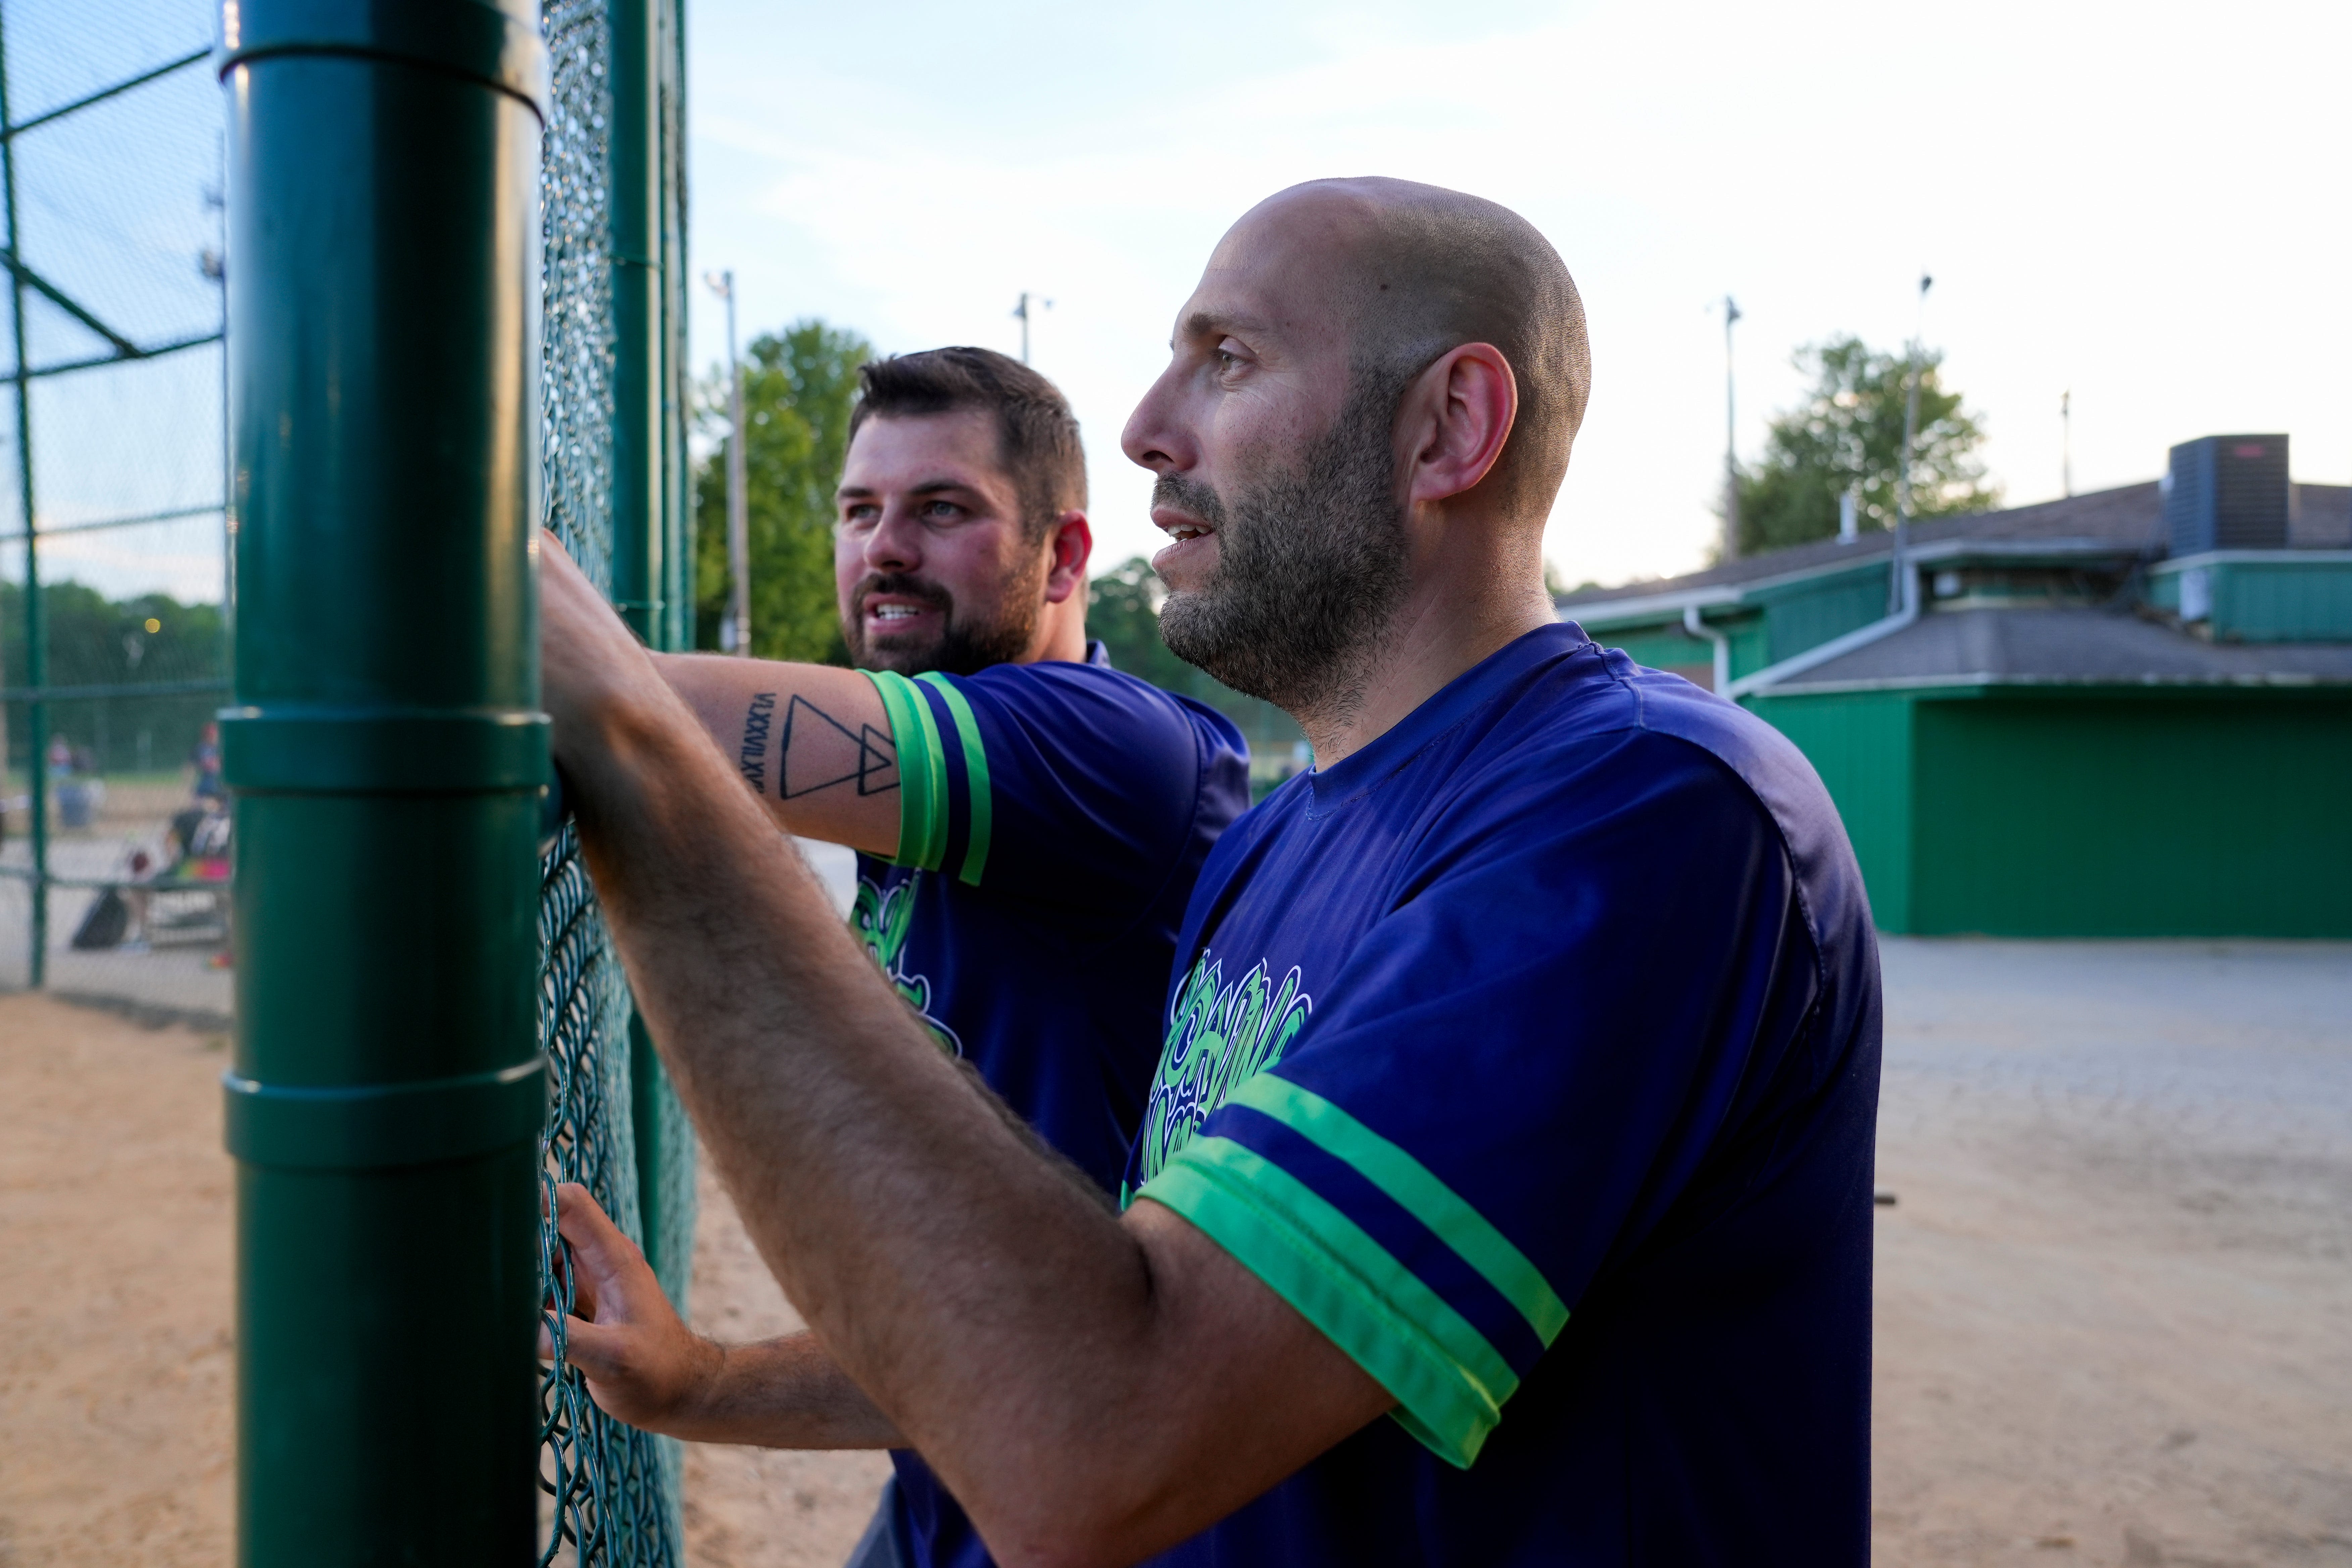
2067	441
735	627
1730	438
1898	588
1020	313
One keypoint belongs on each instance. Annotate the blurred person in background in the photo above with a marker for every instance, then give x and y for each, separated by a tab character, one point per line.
205	764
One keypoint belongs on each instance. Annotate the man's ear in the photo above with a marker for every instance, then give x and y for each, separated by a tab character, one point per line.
1072	543
1457	415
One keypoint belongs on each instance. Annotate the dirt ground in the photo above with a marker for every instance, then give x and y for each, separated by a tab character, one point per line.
115	1365
2114	1296
757	1507
2115	1293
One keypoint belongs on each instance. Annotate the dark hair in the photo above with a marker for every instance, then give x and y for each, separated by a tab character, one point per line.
1036	435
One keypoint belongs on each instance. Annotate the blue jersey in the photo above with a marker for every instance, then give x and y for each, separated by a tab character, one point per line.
1053	819
1532	1053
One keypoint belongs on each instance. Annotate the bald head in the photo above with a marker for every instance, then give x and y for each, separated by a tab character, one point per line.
1417	270
1367	411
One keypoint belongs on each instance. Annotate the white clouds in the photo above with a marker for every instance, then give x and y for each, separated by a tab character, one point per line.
2140	205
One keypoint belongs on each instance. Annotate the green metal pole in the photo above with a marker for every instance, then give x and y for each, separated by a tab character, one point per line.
639	554
36	618
386	755
643	566
635	143
678	499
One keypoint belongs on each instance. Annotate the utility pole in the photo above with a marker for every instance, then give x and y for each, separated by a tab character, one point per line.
735	628
2066	440
1898	588
1730	438
1020	313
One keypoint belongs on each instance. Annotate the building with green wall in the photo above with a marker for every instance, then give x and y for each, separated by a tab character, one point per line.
2050	721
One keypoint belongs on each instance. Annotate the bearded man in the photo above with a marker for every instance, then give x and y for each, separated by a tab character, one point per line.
1029	822
1503	1195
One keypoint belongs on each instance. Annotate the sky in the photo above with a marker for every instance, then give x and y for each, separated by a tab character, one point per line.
2143	205
112	201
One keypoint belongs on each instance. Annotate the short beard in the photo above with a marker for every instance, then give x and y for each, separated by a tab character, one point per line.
1310	567
969	644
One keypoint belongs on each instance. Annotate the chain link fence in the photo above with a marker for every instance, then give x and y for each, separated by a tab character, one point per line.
115	620
613	1489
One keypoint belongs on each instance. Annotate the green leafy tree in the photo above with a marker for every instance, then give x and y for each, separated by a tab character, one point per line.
1123	615
150	639
798	388
1849	430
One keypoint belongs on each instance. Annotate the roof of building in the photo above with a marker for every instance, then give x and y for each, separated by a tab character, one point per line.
2068	645
2129	517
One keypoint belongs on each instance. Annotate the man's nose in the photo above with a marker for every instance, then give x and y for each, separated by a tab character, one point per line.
896	543
1153	437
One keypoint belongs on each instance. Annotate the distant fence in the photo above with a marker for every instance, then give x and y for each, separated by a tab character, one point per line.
113	535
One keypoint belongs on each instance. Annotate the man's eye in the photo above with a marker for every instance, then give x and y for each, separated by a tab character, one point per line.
942	510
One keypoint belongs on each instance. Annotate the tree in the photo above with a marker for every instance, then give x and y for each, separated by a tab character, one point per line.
148	639
1850	429
1123	615
798	389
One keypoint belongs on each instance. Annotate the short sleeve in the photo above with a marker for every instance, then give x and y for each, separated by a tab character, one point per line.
1067	783
1521	1062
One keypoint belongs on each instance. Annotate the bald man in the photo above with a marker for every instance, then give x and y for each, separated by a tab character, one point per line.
1504	1192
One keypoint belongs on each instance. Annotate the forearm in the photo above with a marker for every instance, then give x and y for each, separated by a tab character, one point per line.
811	741
783	1394
882	1191
1090	1387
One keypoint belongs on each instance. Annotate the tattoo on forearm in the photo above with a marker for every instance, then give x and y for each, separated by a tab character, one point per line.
818	751
753	757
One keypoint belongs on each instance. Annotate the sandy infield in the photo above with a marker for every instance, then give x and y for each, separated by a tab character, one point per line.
116	1371
2115	1297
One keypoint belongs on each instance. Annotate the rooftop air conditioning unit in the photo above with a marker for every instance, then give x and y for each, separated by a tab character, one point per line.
2227	492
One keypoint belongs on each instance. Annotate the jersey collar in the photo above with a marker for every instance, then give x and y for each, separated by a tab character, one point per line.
1455	701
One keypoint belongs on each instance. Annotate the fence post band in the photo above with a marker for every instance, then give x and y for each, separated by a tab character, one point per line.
354	1127
282	751
487	43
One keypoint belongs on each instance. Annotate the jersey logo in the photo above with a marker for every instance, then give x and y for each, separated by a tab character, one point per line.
880	919
1219	1038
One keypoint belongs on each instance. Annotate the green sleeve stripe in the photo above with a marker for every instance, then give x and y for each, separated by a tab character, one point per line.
1418	1192
922	774
976	776
1449	1383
